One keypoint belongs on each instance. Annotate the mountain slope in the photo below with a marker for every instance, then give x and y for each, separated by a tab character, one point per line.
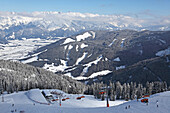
16	76
154	69
95	53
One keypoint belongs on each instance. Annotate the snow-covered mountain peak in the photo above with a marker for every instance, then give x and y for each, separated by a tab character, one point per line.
75	21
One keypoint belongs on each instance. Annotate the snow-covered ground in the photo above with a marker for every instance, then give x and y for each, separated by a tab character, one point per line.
100	73
163	52
19	49
22	102
83	37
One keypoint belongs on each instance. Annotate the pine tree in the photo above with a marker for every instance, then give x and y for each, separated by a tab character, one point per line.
118	90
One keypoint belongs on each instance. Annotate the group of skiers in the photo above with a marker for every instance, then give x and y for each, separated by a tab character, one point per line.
146	104
127	107
156	103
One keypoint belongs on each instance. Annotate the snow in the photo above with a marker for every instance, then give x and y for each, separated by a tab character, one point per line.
100	73
120	67
68	40
71	69
106	59
163	41
36	95
5	69
163	52
81	58
77	47
33	75
53	68
70	47
19	49
65	47
43	60
116	59
93	34
36	54
122	43
85	70
75	21
83	45
30	60
69	75
87	105
12	36
83	37
141	52
89	55
112	42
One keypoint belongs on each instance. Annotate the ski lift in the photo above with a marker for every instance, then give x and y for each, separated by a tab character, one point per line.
146	95
53	100
102	92
78	98
145	100
82	96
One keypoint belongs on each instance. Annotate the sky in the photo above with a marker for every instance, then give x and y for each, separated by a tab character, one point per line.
146	8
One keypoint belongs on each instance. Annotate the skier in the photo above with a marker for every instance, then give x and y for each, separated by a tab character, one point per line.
157	103
129	106
147	103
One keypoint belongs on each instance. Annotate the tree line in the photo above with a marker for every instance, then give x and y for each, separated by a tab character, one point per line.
125	91
15	76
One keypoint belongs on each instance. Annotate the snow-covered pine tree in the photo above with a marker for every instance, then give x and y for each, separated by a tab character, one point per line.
118	90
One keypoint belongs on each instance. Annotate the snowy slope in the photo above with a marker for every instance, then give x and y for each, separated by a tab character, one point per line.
88	104
19	49
163	52
36	95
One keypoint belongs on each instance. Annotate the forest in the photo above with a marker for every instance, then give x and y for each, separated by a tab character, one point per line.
15	76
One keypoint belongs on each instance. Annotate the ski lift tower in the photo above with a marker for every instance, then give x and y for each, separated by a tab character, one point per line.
104	90
60	96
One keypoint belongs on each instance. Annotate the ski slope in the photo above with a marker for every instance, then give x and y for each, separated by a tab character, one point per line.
22	102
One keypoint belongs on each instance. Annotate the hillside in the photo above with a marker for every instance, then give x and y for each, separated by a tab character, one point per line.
15	76
95	53
88	104
154	69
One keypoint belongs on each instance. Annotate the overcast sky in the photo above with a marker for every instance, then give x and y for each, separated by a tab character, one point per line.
145	8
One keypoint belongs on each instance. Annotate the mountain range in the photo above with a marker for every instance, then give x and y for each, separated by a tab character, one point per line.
18	25
114	54
88	47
